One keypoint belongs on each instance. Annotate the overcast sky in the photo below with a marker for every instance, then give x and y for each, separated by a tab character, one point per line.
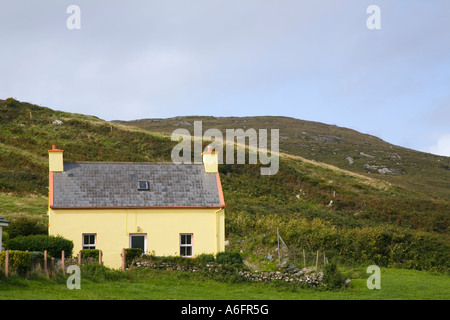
313	60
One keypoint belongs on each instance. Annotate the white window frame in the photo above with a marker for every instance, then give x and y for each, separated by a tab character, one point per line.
139	234
89	246
187	245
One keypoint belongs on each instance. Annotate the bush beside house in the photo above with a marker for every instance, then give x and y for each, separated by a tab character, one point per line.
19	261
53	244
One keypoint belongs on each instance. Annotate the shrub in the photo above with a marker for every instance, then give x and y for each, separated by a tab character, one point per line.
131	254
332	277
205	258
229	257
5	237
11	102
19	261
90	253
37	258
53	245
177	261
26	226
97	272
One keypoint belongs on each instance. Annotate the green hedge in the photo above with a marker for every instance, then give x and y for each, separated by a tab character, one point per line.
26	226
90	253
385	246
131	254
53	244
37	258
224	258
99	273
229	257
205	258
19	261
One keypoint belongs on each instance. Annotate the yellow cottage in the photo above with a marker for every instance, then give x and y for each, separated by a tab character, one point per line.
162	208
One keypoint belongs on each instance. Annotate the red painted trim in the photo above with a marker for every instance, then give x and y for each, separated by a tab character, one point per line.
63	258
50	189
219	187
123	259
54	148
174	207
7	263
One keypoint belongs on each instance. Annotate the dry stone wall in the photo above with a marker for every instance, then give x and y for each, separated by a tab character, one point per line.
289	274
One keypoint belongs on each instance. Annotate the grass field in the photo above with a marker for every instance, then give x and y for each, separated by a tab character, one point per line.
396	284
398	220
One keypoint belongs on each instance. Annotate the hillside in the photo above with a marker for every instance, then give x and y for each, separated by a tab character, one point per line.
385	219
28	131
337	146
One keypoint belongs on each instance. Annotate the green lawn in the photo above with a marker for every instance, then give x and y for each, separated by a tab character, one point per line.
168	285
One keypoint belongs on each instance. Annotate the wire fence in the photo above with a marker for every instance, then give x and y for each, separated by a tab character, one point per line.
304	259
300	257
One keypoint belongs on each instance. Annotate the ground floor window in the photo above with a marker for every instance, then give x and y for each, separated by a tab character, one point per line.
89	241
139	241
186	244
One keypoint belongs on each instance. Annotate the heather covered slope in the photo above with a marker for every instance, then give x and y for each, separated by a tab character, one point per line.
28	131
327	204
345	148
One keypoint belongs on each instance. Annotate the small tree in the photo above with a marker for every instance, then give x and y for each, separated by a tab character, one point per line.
332	277
26	226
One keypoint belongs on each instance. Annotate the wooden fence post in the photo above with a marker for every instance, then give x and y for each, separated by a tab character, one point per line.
278	241
123	259
99	256
304	259
79	258
63	262
317	259
7	263
45	261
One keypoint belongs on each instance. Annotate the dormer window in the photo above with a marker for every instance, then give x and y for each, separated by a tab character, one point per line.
143	185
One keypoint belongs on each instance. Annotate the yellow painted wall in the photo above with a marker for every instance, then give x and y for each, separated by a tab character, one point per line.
162	227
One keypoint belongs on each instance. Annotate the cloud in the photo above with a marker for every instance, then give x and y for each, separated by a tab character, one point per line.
314	60
442	146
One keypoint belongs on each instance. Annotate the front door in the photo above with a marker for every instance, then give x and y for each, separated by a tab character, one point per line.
138	241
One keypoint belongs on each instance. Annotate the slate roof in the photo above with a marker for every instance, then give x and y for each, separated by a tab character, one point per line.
106	184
